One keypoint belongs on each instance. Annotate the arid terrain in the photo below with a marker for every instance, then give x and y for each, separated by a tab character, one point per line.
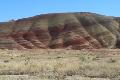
61	46
79	30
60	64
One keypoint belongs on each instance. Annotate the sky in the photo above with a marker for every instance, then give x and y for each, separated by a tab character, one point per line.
17	9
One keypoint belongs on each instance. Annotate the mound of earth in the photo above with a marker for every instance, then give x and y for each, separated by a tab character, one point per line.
82	30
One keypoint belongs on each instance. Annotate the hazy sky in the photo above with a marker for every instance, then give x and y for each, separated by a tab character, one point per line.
15	9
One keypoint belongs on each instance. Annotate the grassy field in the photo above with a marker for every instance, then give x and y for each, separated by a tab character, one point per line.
60	64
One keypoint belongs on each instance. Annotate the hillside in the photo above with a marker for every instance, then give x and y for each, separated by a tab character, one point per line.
82	30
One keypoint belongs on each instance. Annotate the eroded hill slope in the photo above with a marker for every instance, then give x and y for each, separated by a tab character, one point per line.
61	30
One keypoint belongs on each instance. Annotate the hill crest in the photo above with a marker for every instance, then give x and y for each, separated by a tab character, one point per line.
82	30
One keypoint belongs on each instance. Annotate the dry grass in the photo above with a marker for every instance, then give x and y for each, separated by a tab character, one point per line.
59	64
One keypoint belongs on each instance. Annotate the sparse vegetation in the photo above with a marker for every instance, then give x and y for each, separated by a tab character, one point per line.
59	65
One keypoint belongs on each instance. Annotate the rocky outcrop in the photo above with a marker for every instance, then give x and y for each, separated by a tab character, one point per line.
61	30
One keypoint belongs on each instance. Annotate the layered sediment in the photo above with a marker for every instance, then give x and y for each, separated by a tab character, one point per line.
61	31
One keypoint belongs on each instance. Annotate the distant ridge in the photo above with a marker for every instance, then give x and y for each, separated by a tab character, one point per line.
79	30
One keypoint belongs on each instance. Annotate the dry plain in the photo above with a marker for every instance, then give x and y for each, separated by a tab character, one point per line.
60	64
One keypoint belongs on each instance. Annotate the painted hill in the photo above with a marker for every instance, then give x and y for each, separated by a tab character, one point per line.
61	30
